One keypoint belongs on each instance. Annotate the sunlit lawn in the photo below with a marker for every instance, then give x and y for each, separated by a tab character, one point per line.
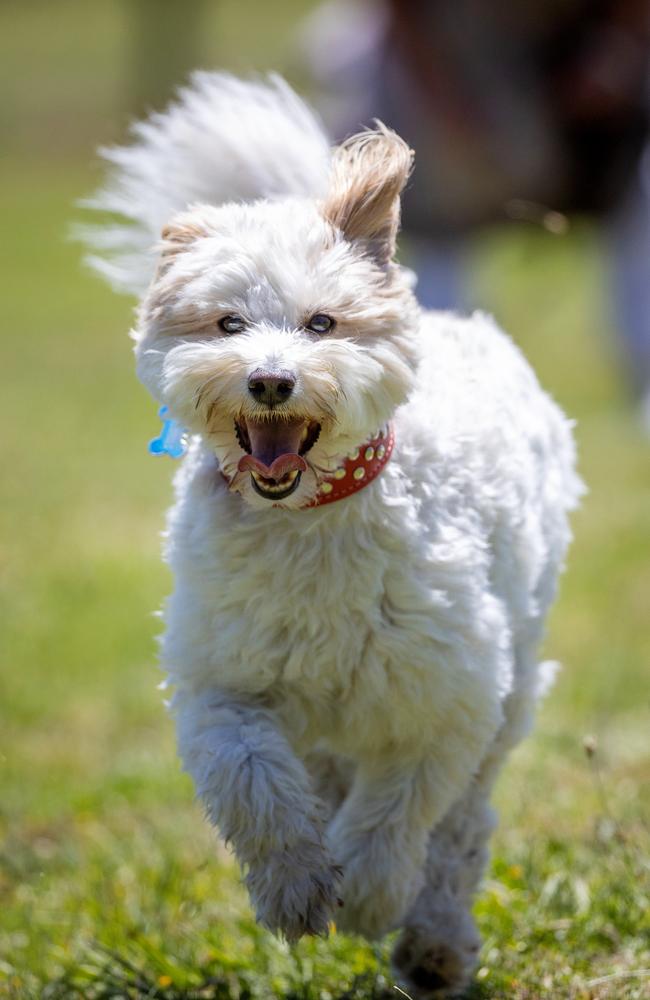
110	880
111	884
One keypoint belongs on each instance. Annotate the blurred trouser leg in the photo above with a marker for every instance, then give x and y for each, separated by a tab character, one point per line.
440	269
628	233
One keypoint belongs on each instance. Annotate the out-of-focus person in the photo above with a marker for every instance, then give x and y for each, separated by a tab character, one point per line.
533	110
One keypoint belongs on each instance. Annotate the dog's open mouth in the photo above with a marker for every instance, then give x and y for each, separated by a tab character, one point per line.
275	450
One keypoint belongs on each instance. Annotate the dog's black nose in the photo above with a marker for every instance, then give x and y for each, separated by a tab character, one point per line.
271	388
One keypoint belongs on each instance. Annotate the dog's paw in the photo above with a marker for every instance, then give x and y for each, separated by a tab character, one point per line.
295	891
437	962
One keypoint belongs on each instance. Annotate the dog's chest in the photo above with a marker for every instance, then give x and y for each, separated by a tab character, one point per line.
356	629
320	613
301	606
316	626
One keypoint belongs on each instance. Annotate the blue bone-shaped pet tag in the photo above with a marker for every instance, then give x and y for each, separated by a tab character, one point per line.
172	439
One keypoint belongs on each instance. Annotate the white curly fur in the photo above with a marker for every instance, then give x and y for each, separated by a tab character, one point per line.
349	678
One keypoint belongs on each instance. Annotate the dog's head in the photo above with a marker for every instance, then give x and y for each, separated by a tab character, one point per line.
281	331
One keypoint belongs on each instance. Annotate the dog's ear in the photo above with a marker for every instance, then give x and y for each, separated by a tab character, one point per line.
183	230
369	171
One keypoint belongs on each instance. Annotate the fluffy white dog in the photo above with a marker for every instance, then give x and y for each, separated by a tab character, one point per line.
368	528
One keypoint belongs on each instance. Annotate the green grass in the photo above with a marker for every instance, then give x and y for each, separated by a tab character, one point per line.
111	883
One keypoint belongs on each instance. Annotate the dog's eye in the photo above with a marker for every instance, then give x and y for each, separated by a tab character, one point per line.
232	324
320	323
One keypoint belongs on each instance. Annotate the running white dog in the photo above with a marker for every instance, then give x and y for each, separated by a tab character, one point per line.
368	528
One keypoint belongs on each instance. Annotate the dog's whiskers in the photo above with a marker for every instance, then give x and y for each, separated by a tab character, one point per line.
202	390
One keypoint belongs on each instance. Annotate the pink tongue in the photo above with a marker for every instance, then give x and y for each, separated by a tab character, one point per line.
274	447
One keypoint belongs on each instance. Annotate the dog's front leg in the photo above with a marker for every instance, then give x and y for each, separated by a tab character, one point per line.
380	835
258	794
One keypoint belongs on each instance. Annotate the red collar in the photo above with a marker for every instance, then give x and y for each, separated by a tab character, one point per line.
358	469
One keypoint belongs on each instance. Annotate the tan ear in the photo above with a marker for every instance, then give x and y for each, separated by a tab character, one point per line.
369	171
180	232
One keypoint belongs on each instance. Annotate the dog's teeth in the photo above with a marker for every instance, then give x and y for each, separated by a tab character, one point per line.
305	432
287	480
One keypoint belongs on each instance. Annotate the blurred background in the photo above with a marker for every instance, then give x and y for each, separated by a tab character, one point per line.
528	201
